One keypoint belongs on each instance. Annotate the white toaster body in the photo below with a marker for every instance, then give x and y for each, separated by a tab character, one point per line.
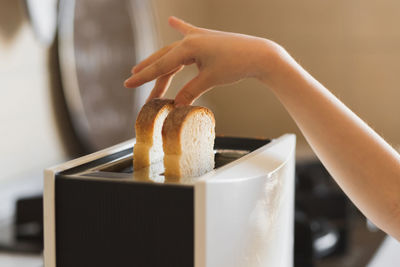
243	212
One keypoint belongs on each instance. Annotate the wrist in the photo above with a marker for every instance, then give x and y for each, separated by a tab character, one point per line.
274	64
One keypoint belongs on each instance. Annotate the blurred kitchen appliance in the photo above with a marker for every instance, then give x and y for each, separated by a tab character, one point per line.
98	43
98	211
326	207
322	214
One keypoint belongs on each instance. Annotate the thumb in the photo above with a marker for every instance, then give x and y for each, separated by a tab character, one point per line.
180	25
192	90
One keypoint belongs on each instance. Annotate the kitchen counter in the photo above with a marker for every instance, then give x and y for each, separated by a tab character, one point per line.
20	260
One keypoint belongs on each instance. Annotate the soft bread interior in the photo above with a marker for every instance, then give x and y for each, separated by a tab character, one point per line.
195	155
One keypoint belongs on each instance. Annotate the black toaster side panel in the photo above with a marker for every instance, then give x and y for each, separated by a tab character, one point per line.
107	223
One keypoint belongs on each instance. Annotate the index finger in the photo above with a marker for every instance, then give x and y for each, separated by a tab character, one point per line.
180	25
170	61
153	57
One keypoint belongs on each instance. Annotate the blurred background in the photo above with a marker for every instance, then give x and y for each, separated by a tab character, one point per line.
62	67
352	47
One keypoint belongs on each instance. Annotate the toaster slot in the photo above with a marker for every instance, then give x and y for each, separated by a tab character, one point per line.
120	164
125	164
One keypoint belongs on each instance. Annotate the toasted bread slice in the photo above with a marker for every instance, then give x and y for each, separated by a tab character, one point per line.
188	140
148	148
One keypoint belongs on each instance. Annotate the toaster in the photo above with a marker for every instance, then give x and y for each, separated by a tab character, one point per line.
99	211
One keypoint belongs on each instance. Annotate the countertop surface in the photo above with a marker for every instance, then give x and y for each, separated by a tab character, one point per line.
20	260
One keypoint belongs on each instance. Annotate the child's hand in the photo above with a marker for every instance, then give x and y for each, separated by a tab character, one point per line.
221	58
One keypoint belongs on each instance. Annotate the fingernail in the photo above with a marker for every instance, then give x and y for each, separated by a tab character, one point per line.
127	82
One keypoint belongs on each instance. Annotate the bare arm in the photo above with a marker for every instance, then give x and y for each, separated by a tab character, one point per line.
362	163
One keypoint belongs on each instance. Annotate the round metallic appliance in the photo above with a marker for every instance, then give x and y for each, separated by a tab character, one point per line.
99	42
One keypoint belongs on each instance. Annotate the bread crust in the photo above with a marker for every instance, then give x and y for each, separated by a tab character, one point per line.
148	116
173	125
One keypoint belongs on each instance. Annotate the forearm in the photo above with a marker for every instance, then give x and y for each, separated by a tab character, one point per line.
362	163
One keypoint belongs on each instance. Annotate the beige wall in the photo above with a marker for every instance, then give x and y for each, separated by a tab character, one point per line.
29	139
353	47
